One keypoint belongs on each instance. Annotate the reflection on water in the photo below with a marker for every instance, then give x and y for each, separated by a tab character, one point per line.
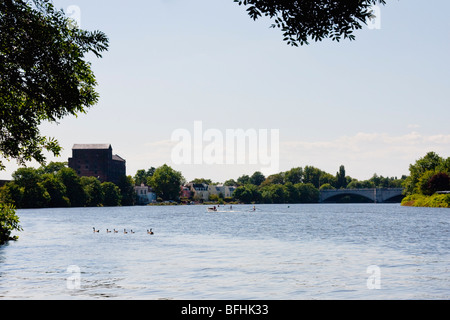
277	252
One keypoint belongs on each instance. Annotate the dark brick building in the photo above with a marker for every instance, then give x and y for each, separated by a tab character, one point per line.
97	160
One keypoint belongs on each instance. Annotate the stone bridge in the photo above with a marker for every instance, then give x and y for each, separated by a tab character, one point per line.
377	195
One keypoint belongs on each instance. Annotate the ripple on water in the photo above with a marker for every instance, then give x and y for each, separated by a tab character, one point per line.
306	252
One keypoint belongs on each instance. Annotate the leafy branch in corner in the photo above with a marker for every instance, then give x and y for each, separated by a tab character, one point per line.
305	20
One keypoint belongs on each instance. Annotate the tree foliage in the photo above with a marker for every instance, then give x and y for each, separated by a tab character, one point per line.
422	180
33	193
9	222
202	180
302	21
94	193
44	75
142	175
111	194
302	185
74	188
127	193
166	182
295	175
439	182
248	193
341	181
244	179
257	178
56	190
56	185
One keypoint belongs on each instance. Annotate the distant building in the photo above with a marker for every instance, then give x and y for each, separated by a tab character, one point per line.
144	194
199	191
185	192
97	160
221	190
202	191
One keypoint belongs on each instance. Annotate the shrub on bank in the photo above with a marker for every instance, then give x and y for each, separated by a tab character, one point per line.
435	200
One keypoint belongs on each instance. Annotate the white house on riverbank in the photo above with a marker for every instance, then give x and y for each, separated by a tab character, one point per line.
144	194
202	191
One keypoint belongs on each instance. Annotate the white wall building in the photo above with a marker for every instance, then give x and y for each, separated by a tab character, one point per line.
221	190
144	194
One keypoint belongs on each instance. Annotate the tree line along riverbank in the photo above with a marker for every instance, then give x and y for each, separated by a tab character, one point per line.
56	185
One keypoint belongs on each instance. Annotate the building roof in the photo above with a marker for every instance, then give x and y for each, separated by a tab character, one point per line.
91	146
117	158
200	186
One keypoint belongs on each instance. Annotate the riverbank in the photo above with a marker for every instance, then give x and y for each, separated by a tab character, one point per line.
433	201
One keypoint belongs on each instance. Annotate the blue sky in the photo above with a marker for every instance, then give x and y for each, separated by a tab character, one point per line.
374	105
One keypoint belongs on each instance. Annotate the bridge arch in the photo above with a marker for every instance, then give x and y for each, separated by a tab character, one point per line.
377	195
395	199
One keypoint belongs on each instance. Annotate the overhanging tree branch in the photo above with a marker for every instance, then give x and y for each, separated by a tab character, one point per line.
305	20
43	75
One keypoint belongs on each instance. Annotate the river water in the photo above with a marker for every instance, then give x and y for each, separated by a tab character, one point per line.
317	251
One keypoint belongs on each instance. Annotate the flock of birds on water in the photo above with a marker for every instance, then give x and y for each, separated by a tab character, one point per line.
124	231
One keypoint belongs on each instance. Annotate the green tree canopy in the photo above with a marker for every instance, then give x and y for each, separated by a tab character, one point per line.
308	193
247	194
56	185
230	183
34	193
244	179
295	175
302	21
43	75
313	175
257	178
166	182
341	182
75	191
202	180
439	182
56	190
277	178
326	186
111	194
142	175
9	222
127	193
275	193
93	191
428	175
422	170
